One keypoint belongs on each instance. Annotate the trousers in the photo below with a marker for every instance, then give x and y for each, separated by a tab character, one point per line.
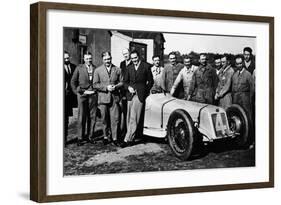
134	110
110	119
87	107
225	101
123	118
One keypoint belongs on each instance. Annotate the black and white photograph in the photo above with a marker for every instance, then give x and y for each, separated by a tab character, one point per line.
133	102
149	101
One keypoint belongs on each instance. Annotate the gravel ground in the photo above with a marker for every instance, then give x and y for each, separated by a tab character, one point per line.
148	155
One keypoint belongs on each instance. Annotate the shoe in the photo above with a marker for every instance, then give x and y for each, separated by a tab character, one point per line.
79	143
124	144
116	143
92	141
106	141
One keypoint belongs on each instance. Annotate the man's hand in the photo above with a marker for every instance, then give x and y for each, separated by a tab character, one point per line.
188	97
80	90
110	88
216	96
131	90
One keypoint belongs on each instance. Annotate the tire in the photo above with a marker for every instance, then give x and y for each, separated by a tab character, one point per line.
239	123
181	134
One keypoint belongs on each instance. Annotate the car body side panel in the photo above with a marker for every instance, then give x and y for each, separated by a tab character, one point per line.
153	109
212	123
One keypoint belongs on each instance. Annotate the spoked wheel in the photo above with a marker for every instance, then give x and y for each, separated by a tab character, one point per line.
180	134
239	124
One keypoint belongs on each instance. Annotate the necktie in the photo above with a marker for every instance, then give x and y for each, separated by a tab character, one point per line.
69	69
90	72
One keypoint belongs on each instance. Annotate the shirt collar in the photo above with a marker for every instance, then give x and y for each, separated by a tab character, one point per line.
202	67
155	68
240	72
89	68
128	62
174	65
108	67
190	69
137	66
227	67
248	63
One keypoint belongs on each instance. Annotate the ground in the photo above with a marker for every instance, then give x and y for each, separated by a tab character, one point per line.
148	155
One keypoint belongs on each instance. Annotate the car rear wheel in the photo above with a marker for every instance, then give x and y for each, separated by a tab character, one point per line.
239	124
181	134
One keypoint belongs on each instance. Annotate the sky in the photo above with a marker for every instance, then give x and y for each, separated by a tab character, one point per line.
185	43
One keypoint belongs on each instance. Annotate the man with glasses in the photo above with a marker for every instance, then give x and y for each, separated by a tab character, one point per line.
242	86
82	86
223	91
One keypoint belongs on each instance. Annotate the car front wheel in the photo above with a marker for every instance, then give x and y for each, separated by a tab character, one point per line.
239	124
181	134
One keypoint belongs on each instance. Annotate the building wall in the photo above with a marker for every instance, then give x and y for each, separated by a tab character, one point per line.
119	42
98	41
70	46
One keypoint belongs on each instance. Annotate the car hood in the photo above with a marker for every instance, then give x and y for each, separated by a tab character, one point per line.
171	103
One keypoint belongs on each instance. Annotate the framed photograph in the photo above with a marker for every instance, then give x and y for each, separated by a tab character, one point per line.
135	102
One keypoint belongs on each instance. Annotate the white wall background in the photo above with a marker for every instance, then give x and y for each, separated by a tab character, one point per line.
118	42
14	104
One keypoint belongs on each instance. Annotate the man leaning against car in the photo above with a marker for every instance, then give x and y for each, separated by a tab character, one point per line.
170	72
138	81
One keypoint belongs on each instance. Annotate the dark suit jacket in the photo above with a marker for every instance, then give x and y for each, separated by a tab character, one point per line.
80	80
102	78
141	80
70	99
68	76
124	68
251	67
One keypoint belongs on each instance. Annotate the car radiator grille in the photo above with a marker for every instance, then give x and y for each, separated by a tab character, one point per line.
220	124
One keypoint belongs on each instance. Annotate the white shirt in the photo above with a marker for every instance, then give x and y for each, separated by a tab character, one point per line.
218	71
127	62
156	71
240	72
137	66
90	71
108	68
67	68
185	75
247	64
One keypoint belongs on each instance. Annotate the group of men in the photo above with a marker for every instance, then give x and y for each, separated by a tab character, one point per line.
119	93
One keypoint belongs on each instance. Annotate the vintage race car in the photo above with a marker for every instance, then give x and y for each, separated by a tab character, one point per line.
186	123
